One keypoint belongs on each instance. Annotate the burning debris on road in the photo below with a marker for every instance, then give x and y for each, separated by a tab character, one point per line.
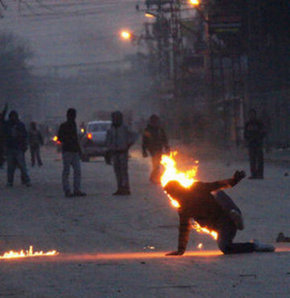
28	254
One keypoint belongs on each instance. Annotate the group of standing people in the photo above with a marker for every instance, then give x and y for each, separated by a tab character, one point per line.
119	139
14	142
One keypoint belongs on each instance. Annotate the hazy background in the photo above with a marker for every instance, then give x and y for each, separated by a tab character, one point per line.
77	58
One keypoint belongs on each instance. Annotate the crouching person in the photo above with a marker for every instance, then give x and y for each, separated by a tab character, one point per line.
214	211
118	141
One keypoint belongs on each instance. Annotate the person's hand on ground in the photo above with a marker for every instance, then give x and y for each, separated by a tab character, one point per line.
239	175
175	253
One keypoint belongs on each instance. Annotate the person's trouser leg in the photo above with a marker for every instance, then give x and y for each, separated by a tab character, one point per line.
32	153
124	171
22	166
11	166
1	154
116	165
76	165
38	157
226	234
155	174
252	156
66	160
260	162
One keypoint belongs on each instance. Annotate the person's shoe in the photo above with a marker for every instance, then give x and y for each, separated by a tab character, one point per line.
117	192
79	193
237	218
124	192
68	194
262	247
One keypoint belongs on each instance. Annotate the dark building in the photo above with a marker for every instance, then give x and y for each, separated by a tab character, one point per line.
268	65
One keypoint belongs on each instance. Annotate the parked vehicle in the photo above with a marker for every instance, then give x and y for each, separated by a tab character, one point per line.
93	142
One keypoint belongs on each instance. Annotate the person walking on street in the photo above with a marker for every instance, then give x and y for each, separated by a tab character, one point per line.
155	142
16	146
35	141
216	212
2	135
254	134
68	136
118	141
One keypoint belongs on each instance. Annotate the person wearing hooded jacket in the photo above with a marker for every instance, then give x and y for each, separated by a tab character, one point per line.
118	141
156	143
16	146
214	211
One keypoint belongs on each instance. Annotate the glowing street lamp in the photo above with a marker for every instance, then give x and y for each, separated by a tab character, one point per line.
150	15
126	35
194	2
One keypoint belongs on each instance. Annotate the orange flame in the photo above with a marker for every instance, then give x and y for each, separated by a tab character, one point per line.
186	179
171	173
204	230
27	254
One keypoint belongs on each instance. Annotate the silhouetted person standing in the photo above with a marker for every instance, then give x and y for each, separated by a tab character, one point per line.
68	136
118	140
155	141
35	141
254	135
16	146
2	135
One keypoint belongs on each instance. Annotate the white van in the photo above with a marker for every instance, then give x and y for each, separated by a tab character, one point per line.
93	141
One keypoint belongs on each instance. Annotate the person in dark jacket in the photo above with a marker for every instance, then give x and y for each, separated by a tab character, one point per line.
118	141
2	135
16	146
35	141
254	134
68	136
215	212
155	142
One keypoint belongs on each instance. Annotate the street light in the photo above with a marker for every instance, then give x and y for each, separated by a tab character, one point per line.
150	15
127	35
194	2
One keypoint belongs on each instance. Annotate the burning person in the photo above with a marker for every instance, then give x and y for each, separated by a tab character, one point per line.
155	142
215	212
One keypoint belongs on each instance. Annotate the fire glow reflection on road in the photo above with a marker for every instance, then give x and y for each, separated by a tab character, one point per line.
205	254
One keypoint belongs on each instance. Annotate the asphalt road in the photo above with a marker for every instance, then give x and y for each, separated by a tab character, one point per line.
114	246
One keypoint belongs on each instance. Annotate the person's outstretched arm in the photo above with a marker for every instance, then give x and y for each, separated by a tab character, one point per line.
184	229
222	184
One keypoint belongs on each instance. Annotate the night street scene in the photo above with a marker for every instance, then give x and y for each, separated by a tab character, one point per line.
144	148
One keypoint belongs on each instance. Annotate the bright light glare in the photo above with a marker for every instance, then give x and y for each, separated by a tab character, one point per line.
149	15
194	2
126	35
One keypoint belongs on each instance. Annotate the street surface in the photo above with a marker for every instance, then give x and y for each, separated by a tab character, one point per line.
141	223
